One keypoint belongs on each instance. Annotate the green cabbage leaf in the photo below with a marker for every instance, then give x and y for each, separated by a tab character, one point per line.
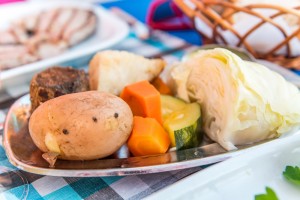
242	102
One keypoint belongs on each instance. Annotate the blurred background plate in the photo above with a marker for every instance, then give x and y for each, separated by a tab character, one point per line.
110	30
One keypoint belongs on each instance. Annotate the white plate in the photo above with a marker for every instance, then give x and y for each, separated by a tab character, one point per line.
242	177
110	30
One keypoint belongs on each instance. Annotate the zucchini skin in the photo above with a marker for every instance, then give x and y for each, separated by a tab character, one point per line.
189	137
184	126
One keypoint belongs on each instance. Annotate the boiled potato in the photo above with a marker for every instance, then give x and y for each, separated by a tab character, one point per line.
81	126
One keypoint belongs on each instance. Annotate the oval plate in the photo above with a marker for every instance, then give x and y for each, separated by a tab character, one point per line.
22	153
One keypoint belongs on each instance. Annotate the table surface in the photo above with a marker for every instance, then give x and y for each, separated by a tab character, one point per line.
116	187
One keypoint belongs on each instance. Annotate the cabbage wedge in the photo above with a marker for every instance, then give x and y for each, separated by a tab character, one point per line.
241	102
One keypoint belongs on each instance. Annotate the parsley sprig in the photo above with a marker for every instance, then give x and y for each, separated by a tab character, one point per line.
292	174
270	195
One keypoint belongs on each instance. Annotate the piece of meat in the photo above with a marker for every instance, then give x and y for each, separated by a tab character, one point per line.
6	37
45	35
20	33
29	23
10	61
78	20
62	19
78	35
44	47
15	55
54	82
49	49
45	20
11	49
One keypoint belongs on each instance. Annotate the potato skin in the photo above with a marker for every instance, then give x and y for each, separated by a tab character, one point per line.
85	125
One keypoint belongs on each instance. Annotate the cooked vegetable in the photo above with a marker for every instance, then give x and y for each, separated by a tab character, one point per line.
292	174
242	102
161	86
183	126
170	104
180	74
143	99
111	71
148	137
270	195
81	126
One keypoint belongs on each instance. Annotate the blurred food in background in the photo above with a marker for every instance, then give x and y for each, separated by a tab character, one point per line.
268	29
44	35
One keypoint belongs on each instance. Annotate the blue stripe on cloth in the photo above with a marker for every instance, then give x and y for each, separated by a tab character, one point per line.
150	42
296	71
6	163
157	44
2	154
3	159
15	193
33	194
112	179
154	42
179	54
20	193
66	192
88	186
131	35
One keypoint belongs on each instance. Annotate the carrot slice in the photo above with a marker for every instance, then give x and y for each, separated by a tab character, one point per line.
148	137
161	86
143	99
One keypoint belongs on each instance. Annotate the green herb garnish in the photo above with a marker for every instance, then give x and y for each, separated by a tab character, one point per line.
270	195
292	174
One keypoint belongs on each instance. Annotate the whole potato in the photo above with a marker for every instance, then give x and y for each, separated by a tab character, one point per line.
81	126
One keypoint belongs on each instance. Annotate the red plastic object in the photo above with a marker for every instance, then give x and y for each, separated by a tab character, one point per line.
9	1
165	15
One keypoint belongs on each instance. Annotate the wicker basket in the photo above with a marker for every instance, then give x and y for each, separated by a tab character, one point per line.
217	16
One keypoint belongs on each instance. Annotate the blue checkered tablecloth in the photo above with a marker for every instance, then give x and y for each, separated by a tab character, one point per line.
33	186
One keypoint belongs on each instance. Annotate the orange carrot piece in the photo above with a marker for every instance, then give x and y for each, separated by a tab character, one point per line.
161	86
143	99
148	137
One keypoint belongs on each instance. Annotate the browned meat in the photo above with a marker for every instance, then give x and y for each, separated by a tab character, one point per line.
54	82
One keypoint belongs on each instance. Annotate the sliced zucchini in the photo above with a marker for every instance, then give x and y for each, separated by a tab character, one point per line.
183	126
170	104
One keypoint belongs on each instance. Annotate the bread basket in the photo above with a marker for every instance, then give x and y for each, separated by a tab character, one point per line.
267	30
